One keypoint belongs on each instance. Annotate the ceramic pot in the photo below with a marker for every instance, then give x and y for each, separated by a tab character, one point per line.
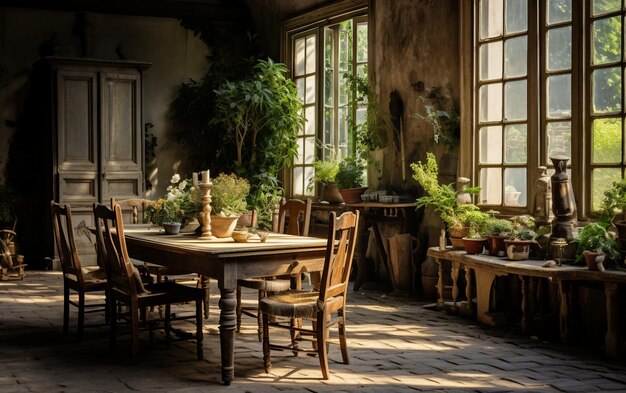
331	193
190	225
474	246
171	228
495	244
517	250
456	237
352	195
594	260
430	277
223	226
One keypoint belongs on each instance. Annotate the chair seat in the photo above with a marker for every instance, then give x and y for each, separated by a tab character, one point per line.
166	292
297	304
95	280
262	284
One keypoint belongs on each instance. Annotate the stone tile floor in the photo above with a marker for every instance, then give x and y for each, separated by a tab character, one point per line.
396	345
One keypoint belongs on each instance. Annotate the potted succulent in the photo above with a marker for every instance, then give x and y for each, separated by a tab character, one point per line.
495	231
326	175
443	197
474	242
594	244
228	203
350	179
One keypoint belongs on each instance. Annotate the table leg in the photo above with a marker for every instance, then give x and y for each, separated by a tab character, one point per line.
564	311
484	281
525	303
455	283
228	325
612	339
439	284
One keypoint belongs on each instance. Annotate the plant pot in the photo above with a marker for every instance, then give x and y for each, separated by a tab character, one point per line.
495	244
352	195
517	250
331	194
456	237
430	278
594	260
474	246
171	228
190	226
621	229
223	226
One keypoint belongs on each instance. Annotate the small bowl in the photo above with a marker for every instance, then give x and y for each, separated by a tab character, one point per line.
263	236
241	236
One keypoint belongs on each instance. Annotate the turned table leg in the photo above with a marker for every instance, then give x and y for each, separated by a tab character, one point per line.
484	281
455	283
440	284
525	303
564	300
228	325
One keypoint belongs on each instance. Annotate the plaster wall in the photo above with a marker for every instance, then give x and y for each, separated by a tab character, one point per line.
175	54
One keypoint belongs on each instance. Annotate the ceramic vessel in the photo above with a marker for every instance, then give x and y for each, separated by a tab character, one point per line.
331	193
594	260
223	226
474	246
495	244
518	250
171	228
241	236
563	203
456	237
352	195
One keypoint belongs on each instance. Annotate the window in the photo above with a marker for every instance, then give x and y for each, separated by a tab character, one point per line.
319	54
547	81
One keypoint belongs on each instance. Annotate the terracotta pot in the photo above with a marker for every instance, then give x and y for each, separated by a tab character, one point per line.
495	244
518	250
621	229
171	228
594	260
456	237
331	193
223	226
474	246
352	195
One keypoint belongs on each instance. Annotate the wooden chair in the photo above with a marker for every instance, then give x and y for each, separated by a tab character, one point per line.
299	213
126	287
317	306
74	278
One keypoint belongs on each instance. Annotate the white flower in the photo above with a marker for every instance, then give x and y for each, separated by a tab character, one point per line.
192	188
175	179
169	188
170	196
182	185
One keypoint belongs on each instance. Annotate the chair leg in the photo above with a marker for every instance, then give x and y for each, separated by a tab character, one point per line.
267	362
199	334
322	348
134	322
81	313
259	317
294	335
66	309
112	323
107	310
238	309
342	337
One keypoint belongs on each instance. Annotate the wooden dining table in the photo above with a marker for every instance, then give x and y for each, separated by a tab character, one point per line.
227	261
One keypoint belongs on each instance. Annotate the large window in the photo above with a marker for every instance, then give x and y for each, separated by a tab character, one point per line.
320	54
547	81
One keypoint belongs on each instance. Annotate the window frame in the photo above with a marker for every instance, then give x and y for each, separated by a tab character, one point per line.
316	21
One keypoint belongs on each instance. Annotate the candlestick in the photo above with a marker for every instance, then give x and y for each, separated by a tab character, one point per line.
206	176
194	178
205	188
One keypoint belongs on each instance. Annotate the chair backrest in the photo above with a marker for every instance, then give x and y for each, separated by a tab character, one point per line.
64	237
111	245
133	204
299	213
342	235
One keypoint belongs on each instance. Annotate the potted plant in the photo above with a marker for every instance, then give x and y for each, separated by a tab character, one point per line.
228	196
593	242
350	179
181	202
443	197
326	175
613	202
474	242
518	246
495	231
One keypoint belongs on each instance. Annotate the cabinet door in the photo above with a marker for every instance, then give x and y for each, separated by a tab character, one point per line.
121	134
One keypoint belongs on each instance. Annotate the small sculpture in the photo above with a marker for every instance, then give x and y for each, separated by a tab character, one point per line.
463	197
542	208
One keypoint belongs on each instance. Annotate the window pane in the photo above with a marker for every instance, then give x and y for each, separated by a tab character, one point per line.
328	48
607	40
607	89
515	100
559	11
607	141
515	144
604	6
343	90
328	126
361	42
309	173
309	114
515	51
560	49
491	145
559	96
300	151
491	61
310	90
515	187
298	180
343	132
490	18
299	51
328	87
300	88
559	139
310	54
491	102
601	179
491	186
309	150
516	16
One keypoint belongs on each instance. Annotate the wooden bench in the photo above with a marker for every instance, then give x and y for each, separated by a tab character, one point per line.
485	269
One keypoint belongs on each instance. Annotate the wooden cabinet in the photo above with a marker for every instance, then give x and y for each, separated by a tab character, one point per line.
93	109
